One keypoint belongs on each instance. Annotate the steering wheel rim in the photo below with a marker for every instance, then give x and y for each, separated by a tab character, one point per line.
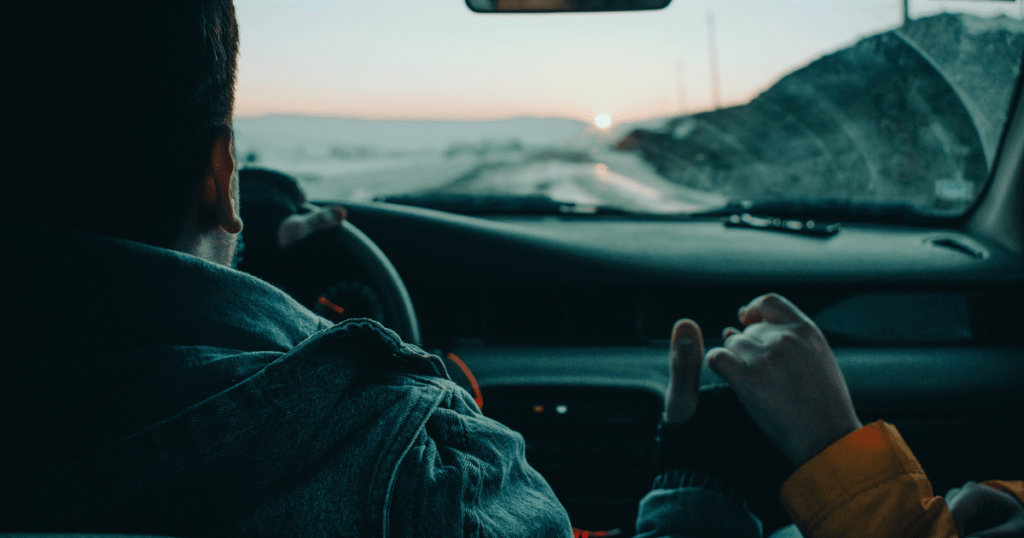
384	279
307	267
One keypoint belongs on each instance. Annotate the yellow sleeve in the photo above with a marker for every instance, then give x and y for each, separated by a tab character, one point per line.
866	484
1015	488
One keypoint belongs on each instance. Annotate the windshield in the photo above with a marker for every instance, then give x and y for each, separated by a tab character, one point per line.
842	105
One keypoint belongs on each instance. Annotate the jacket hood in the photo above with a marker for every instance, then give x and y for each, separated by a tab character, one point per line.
103	327
112	295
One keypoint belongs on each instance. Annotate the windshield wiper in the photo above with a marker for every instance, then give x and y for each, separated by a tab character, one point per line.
474	204
828	210
783	214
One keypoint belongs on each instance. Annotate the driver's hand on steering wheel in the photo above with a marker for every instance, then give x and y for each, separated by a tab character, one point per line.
299	226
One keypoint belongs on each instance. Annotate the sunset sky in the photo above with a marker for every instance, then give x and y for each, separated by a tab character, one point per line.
435	59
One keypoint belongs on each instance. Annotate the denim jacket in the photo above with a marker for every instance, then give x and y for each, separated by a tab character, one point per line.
224	408
146	391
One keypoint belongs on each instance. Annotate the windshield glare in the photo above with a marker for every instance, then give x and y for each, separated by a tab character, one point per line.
674	111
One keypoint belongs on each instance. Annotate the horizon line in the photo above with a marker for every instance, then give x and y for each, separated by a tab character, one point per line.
404	119
314	116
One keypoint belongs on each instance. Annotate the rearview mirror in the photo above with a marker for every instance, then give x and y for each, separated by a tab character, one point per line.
541	6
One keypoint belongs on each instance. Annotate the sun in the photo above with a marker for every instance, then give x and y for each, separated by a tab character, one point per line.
603	121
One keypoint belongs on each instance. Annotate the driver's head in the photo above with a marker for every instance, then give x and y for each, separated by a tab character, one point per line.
111	109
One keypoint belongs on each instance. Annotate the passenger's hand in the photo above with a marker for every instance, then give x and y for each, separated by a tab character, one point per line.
985	512
784	372
297	227
685	356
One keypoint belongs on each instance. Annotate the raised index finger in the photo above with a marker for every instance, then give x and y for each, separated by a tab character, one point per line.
771	308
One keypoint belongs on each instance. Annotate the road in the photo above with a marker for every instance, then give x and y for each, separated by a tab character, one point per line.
606	178
595	177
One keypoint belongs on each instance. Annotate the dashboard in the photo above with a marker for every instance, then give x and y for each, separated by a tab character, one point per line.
563	322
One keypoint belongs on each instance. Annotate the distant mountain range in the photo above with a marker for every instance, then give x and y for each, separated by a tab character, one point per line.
316	135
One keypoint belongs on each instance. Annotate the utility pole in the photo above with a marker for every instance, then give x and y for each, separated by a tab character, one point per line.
716	98
680	89
906	12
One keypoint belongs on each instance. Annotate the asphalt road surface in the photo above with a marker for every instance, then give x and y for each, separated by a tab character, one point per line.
586	177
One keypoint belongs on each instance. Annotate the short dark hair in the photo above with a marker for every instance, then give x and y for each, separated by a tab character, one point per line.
111	109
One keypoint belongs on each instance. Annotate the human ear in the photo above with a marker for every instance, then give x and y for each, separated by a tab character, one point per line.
220	184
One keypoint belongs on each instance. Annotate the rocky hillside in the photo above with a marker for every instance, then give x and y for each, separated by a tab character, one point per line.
911	115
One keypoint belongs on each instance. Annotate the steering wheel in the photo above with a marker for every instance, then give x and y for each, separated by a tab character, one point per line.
361	251
340	273
337	271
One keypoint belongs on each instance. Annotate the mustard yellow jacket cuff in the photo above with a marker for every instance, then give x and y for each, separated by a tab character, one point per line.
870	484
